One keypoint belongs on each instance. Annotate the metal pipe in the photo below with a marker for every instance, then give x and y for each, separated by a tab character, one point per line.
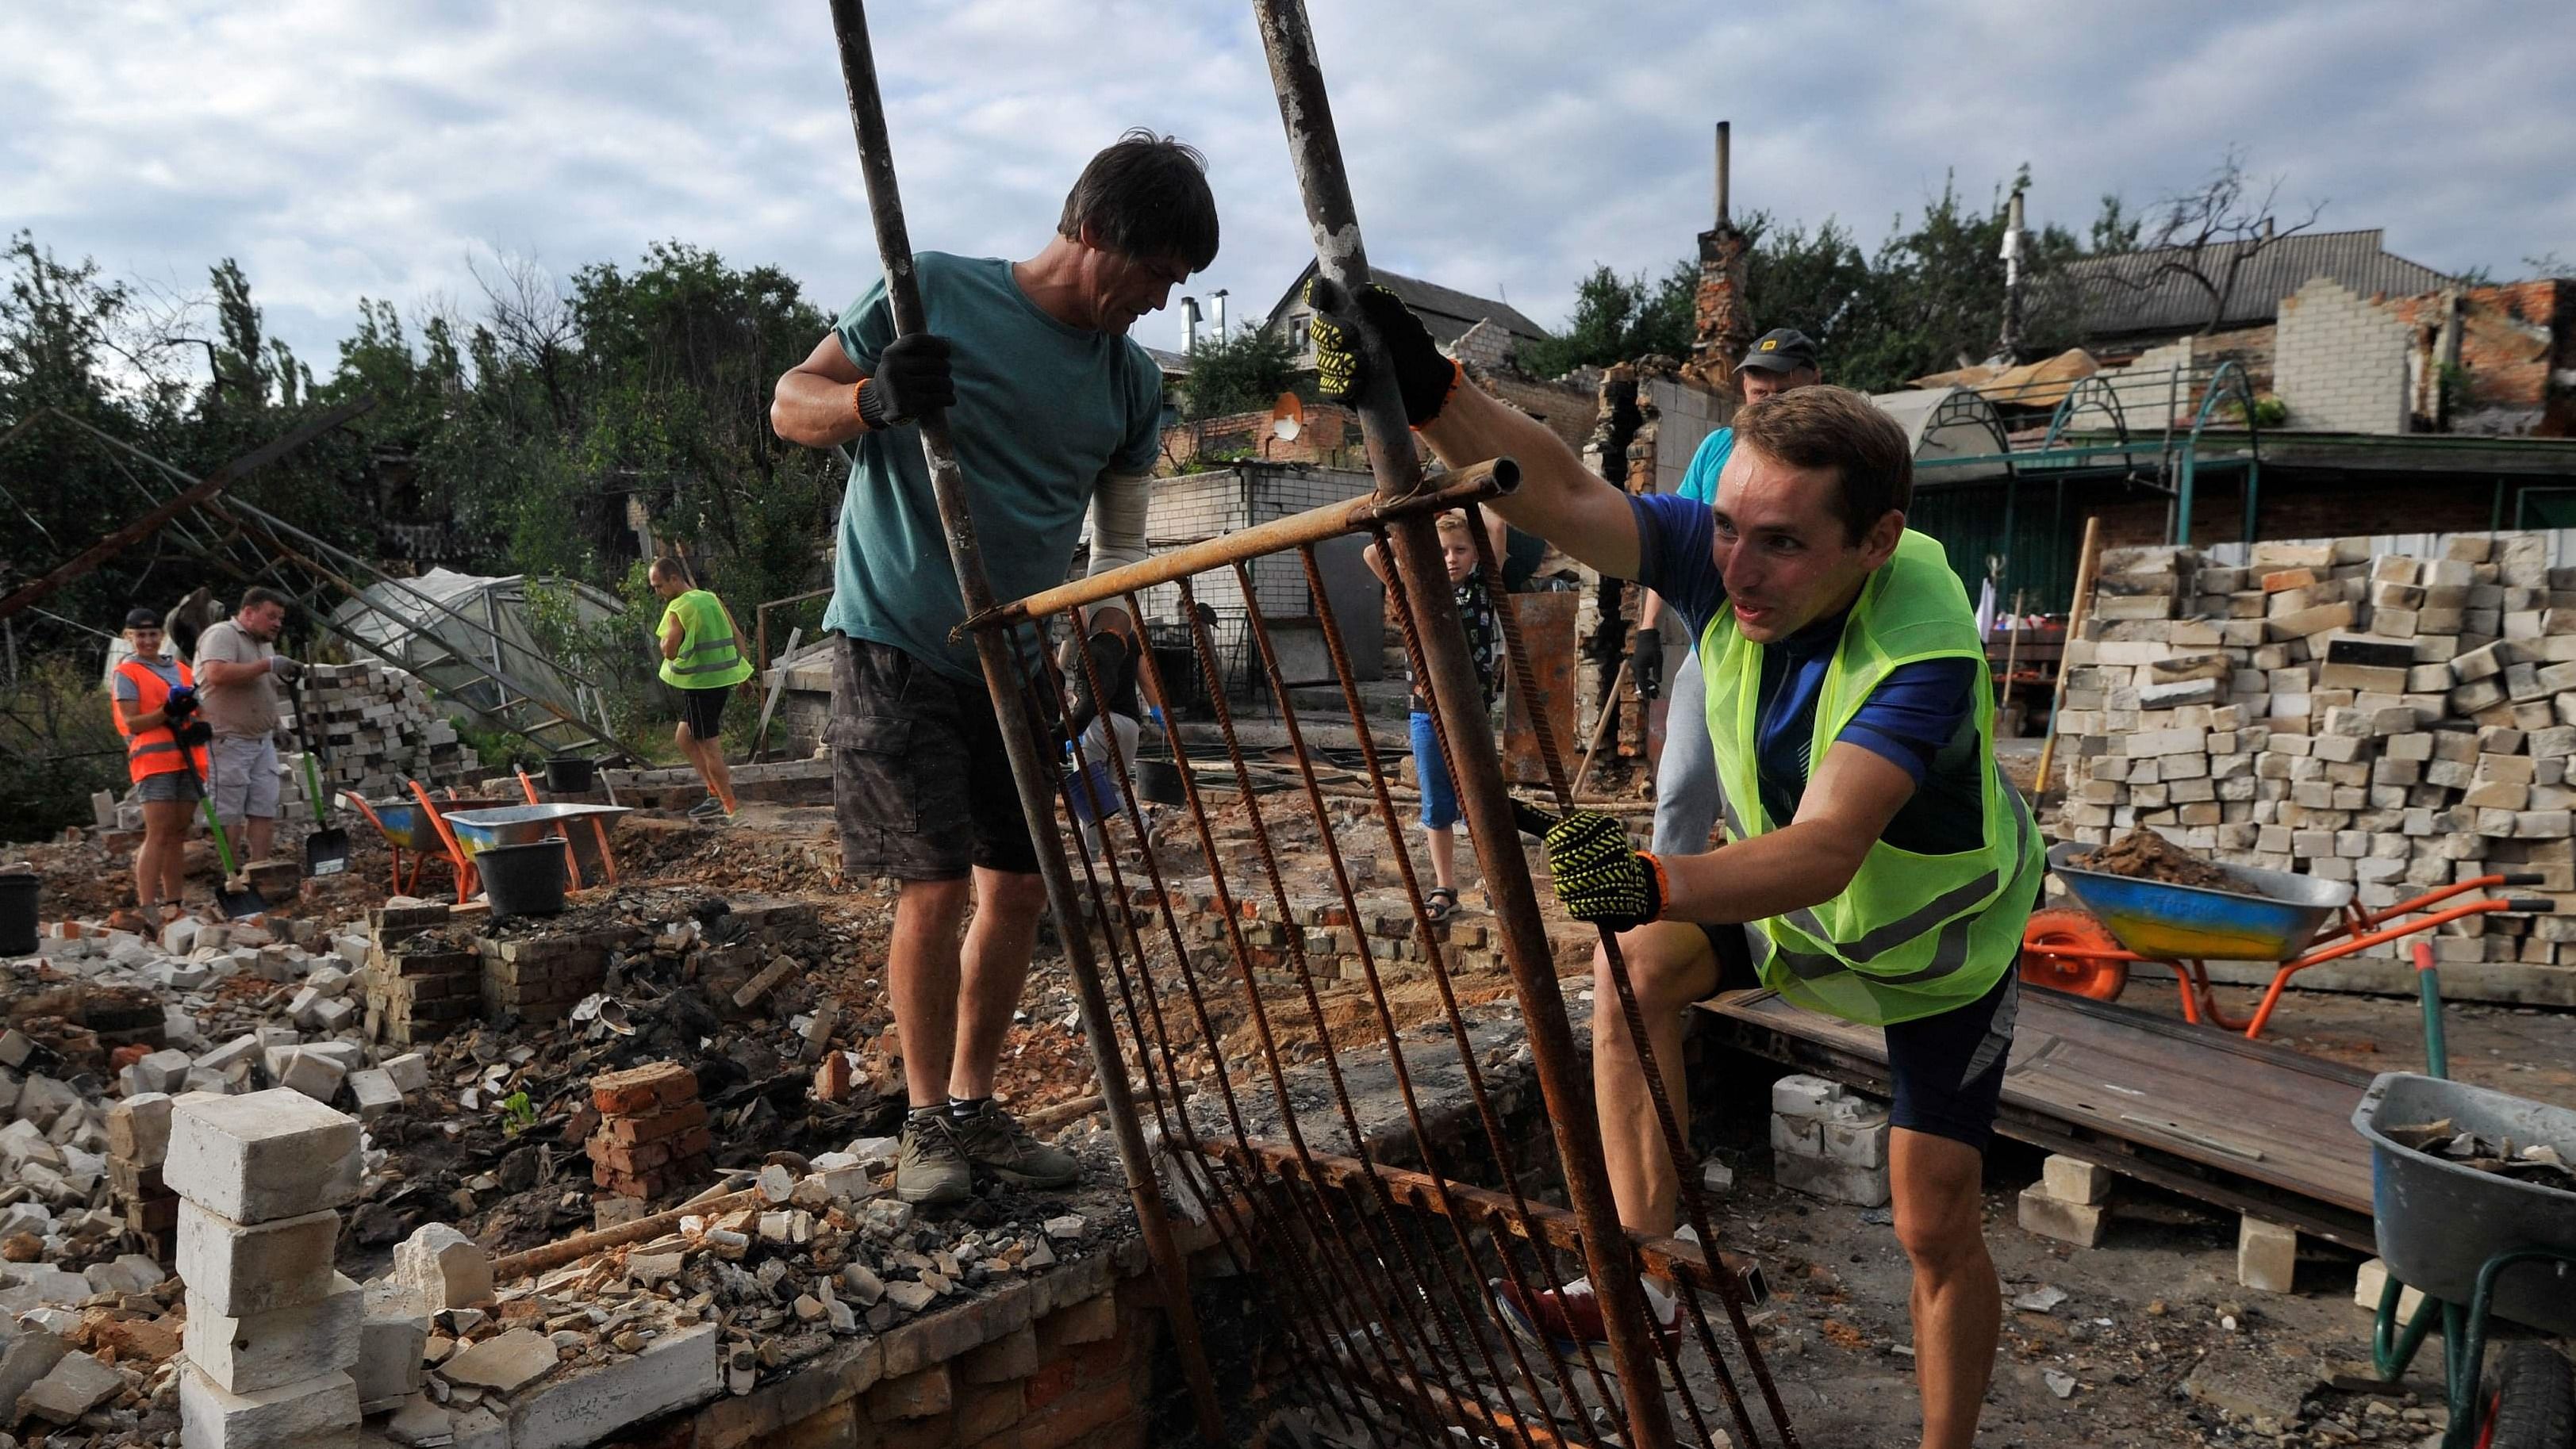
1029	770
1725	130
1467	485
1341	271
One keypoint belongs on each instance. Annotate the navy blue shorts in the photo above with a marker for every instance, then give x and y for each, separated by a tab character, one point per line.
1948	1067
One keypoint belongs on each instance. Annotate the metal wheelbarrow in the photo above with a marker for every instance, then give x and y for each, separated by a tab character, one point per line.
2476	1244
2273	916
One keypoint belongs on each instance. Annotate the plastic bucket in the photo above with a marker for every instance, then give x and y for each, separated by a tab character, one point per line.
523	880
1092	792
18	892
571	775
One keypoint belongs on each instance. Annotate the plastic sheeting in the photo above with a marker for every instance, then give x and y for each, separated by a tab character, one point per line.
422	624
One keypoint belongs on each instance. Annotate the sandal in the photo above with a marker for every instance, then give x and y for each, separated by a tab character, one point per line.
1439	904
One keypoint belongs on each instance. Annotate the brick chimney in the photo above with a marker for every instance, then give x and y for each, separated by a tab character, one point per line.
1723	323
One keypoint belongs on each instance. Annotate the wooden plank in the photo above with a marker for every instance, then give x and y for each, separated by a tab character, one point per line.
2251	1127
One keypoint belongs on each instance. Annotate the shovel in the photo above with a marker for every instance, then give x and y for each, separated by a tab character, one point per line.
326	848
236	904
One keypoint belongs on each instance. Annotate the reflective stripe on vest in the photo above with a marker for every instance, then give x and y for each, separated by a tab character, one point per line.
156	751
1912	934
710	657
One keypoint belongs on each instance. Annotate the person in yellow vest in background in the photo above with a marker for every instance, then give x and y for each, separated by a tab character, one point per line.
1876	868
165	754
702	658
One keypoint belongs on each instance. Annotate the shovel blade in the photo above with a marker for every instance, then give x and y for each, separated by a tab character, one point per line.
239	904
326	852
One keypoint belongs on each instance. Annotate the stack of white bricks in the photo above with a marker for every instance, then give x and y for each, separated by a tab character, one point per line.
377	727
273	1330
1828	1141
2393	721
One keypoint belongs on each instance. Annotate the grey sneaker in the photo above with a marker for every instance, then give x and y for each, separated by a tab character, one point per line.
995	1141
931	1170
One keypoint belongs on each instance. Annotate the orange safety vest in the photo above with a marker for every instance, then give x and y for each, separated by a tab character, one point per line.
155	751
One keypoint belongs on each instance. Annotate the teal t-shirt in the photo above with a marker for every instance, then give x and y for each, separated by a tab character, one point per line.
1699	480
1043	410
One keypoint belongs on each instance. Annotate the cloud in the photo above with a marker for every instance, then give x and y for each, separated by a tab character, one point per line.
340	149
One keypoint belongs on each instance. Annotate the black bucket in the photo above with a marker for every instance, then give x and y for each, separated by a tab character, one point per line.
571	775
523	880
18	891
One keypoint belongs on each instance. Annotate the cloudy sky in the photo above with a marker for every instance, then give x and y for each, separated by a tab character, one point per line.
347	148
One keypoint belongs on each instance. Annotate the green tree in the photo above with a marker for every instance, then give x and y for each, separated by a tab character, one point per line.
1238	374
1618	319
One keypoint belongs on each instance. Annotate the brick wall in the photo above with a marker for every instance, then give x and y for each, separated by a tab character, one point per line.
1194	507
2341	362
1330	435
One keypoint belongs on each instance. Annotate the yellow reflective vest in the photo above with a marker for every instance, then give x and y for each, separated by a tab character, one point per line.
710	657
1912	934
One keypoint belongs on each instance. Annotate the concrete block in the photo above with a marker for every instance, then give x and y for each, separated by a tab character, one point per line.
2067	1222
674	1371
393	1331
1797	1137
1803	1096
506	1364
410	1072
76	1384
2372	1281
247	1353
26	1356
1832	1181
243	1268
1857	1144
445	1267
2072	1179
311	1072
211	1418
138	1129
375	1093
2267	1255
261	1156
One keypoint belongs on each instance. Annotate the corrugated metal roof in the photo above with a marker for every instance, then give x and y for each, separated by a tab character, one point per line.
2122	294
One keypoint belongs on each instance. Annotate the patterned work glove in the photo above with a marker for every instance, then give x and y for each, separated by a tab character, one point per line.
1646	662
284	668
1111	659
1599	876
1422	375
912	380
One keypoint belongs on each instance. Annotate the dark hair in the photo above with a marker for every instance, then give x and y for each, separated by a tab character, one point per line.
1834	427
668	566
1146	196
256	595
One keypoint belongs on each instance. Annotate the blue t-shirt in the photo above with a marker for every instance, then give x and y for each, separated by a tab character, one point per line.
1921	717
1043	410
1699	480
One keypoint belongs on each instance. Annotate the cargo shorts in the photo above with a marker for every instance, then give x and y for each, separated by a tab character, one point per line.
244	768
921	783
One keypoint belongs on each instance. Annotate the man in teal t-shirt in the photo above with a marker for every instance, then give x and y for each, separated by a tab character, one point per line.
1055	413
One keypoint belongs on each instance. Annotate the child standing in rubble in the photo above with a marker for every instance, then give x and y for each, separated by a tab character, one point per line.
1485	649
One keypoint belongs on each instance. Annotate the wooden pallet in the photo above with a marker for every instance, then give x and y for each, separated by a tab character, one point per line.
2254	1128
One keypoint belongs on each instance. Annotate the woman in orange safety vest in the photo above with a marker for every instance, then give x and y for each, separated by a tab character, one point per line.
165	752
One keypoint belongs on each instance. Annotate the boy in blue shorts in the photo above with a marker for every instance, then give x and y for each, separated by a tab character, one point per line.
1485	649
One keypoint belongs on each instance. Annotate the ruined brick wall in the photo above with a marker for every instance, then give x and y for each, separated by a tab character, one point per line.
1330	435
2512	345
2341	361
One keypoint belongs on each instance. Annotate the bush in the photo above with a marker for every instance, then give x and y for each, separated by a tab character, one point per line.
58	744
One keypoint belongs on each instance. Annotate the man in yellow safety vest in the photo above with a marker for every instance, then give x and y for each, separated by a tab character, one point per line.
702	658
1876	865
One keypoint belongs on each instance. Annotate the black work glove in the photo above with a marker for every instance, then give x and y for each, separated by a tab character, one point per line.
1599	876
1646	662
1113	660
1421	373
181	703
911	381
195	732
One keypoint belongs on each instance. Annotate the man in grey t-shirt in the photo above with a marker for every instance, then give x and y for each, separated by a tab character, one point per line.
238	671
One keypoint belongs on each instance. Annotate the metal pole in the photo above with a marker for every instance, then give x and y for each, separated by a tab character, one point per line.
1019	732
1315	151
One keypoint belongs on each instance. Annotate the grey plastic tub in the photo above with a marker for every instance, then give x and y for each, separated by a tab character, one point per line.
2439	1221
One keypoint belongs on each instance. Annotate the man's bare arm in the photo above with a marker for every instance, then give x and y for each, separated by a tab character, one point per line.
1560	500
1849	801
816	402
672	635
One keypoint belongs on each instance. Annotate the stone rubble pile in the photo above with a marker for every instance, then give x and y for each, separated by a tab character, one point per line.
2397	722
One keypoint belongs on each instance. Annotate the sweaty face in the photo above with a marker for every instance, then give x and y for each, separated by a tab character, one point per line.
1123	288
1785	555
262	621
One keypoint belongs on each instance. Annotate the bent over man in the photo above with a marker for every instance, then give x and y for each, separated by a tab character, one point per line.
1054	411
1876	866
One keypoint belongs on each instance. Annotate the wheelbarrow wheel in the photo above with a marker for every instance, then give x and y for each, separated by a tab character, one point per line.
2530	1400
2055	930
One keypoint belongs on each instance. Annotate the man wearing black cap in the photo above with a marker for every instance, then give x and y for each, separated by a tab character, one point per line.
1686	791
